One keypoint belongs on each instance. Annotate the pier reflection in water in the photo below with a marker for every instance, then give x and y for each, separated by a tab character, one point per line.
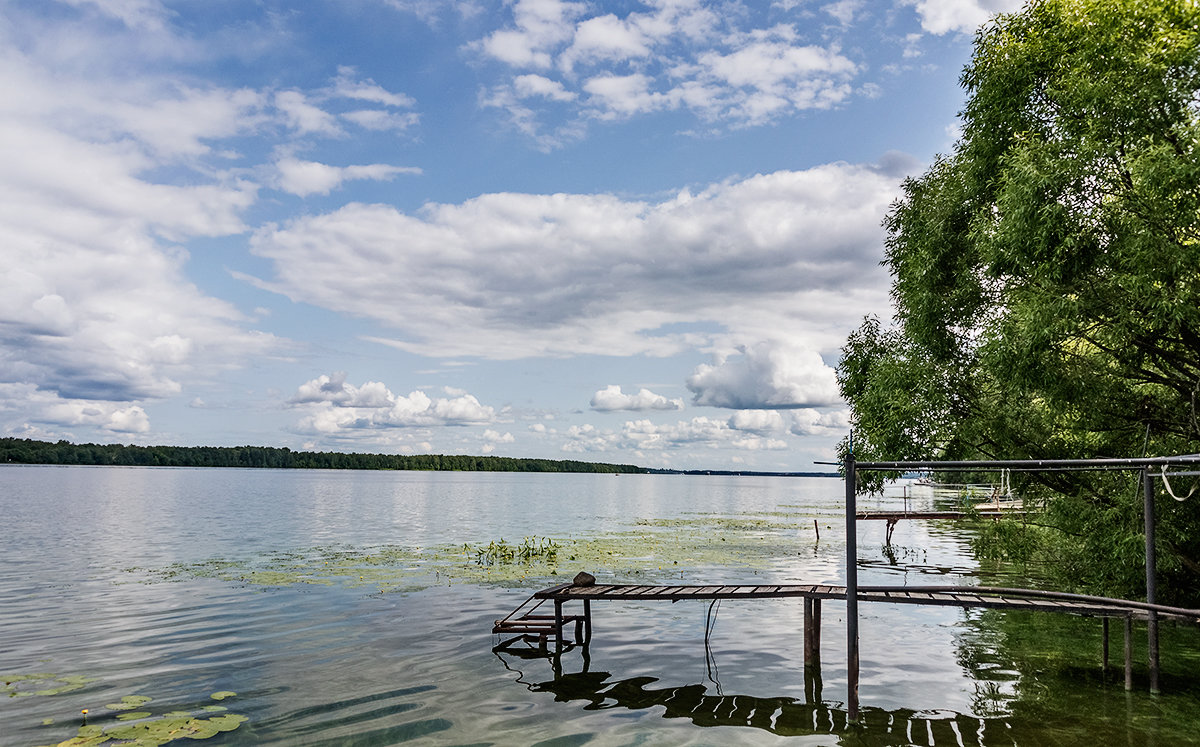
705	705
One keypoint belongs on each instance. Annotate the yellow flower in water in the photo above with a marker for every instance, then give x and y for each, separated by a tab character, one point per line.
84	711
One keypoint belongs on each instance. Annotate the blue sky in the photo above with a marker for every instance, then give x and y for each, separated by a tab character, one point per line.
635	232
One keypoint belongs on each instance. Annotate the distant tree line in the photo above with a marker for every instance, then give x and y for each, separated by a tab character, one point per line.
28	451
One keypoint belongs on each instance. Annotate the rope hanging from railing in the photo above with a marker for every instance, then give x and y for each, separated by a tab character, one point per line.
1171	492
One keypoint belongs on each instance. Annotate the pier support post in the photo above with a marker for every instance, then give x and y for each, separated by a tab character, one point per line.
1128	652
851	589
587	621
558	626
812	633
1104	646
1151	580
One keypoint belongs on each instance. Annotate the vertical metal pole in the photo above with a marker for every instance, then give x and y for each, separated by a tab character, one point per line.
1128	652
851	590
1104	645
1151	581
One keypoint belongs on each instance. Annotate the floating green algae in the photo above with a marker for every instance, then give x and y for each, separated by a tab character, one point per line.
643	551
41	683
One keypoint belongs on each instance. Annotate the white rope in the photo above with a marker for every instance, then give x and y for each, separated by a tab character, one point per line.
1170	492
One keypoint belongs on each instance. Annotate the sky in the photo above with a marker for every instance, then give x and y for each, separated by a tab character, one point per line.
631	232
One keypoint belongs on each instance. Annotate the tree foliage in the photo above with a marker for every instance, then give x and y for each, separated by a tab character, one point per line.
28	451
1046	273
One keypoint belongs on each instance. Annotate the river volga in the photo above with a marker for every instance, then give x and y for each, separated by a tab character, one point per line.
355	608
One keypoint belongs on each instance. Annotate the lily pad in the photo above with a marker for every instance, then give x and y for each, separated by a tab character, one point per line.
134	715
129	702
42	683
154	731
223	694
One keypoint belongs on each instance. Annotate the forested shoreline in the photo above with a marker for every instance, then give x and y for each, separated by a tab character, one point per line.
29	451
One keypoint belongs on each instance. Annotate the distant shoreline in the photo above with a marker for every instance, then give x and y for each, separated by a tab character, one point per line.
30	451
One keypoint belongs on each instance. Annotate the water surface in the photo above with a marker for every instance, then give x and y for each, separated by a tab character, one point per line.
334	607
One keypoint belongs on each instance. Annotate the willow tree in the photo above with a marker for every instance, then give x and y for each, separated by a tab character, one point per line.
1046	274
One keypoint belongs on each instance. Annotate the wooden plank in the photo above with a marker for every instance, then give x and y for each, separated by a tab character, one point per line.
646	590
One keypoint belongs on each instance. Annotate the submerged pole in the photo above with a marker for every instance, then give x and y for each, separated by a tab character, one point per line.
1104	645
851	590
1151	580
1128	652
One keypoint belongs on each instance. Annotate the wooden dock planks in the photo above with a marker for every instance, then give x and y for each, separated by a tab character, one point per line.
966	598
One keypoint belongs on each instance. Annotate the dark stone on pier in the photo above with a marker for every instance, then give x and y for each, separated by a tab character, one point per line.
583	578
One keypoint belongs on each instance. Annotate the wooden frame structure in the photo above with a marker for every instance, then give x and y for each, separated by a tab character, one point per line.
851	468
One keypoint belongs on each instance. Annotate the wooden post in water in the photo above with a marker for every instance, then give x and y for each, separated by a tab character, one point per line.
851	590
558	626
812	633
1151	580
587	621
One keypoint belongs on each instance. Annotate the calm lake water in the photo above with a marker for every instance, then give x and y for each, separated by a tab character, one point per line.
341	608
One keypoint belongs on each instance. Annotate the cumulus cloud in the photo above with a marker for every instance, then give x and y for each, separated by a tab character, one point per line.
29	412
336	407
646	436
305	117
97	315
964	16
597	274
611	398
744	430
304	178
765	375
688	55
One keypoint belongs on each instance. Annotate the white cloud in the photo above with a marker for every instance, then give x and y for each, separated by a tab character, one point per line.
845	11
605	38
304	117
611	398
526	86
103	415
136	14
596	274
304	178
105	175
964	16
647	436
335	408
766	375
539	27
381	121
672	55
345	85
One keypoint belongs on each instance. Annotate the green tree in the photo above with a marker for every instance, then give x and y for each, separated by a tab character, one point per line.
1046	274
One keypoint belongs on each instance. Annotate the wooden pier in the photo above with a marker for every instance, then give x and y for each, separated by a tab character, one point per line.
525	624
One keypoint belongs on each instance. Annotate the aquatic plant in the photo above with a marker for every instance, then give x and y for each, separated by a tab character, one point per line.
530	550
144	729
644	551
41	683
